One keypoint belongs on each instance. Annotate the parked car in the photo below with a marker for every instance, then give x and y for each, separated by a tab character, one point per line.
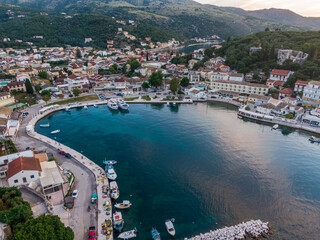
68	155
92	233
62	152
213	97
75	193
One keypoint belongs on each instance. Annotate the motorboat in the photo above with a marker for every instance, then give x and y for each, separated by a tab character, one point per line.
168	104
115	193
110	162
128	234
170	227
45	125
118	221
124	205
314	139
95	105
55	131
276	126
112	105
155	234
67	109
111	174
85	107
122	104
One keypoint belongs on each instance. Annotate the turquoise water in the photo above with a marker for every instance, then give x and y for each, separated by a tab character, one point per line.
201	165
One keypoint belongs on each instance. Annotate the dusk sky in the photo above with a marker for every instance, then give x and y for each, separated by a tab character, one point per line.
308	8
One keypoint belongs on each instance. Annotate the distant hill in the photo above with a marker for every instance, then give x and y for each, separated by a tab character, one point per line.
279	15
185	18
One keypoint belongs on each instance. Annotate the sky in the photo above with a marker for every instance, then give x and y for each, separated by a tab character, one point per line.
308	8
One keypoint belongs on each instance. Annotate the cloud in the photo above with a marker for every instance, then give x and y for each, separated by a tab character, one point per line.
305	8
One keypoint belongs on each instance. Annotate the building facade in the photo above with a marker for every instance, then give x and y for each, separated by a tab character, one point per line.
239	87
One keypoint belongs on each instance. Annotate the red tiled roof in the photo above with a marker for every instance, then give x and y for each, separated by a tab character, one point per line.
23	163
287	91
302	83
280	72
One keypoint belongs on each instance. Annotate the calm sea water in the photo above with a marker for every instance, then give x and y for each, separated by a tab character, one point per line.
201	165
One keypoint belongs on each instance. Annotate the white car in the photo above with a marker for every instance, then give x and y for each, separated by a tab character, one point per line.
75	193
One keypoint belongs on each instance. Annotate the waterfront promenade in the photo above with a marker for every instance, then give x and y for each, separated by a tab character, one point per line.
100	178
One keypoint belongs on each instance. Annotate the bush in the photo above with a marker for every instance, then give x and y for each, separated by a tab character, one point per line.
247	108
51	159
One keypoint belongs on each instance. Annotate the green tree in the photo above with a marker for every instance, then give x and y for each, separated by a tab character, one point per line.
208	52
37	87
78	53
155	79
45	227
29	87
43	74
76	92
174	85
184	82
134	64
145	85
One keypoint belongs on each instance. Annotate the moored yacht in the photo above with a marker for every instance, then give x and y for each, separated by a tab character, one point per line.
170	227
111	174
122	104
112	105
118	221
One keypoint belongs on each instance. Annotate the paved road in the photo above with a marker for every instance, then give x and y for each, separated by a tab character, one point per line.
81	219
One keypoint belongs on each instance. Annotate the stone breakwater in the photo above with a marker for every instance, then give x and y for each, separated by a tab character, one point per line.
252	228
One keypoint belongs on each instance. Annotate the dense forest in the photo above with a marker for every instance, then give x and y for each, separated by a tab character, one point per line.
237	52
57	29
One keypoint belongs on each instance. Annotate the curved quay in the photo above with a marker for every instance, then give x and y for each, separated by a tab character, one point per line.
83	160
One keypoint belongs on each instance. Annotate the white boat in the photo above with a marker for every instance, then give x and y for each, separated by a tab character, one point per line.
67	109
112	105
168	104
115	193
118	221
111	174
55	131
95	105
170	227
128	234
122	104
124	205
275	126
85	107
45	125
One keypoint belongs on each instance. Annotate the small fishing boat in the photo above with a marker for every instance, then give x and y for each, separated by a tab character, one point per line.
168	104
124	205
118	221
67	109
95	105
174	104
111	174
314	139
122	104
110	162
45	125
112	105
55	131
128	234
275	126
170	227
115	193
85	107
155	234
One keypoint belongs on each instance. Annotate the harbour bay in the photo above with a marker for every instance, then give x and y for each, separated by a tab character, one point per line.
201	165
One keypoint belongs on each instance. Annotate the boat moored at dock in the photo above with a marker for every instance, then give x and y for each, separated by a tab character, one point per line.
128	234
111	174
67	109
110	162
124	205
112	105
115	193
276	126
122	104
85	107
118	221
45	125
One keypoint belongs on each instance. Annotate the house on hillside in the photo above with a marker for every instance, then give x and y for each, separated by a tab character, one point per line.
280	74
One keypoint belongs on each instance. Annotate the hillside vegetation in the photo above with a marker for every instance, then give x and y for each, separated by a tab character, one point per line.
238	56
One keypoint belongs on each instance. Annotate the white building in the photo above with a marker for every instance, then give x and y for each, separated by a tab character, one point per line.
238	77
311	92
239	87
23	170
279	74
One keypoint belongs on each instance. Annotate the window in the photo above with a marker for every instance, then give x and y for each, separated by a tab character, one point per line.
24	180
32	176
15	181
